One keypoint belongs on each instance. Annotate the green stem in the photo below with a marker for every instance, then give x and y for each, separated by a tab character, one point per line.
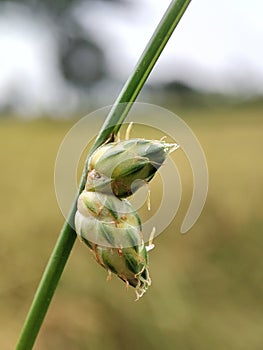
144	66
112	124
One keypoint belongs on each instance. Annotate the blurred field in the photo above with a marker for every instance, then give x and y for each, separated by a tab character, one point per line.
207	285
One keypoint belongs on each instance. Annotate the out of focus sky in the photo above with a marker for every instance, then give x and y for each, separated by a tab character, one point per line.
216	47
219	41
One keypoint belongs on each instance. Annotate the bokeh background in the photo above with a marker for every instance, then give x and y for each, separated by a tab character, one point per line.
59	61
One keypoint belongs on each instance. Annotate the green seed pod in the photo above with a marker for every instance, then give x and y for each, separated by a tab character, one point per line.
107	220
115	167
112	230
129	264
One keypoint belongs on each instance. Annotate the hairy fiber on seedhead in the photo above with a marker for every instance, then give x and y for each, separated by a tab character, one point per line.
111	228
115	167
105	221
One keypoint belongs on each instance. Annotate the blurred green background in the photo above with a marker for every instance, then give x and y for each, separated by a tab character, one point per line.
207	285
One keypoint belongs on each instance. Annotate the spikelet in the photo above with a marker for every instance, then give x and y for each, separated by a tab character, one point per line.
115	167
105	221
111	228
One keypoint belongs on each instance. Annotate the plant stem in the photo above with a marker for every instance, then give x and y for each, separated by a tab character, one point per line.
112	124
144	66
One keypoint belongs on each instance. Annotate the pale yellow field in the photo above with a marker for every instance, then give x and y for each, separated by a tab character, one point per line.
207	285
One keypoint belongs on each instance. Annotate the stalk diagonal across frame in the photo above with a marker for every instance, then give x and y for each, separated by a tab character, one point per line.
112	124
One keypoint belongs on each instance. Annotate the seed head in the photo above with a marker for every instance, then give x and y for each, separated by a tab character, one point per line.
111	228
115	167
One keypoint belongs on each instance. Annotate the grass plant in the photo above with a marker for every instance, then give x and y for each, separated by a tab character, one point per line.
113	122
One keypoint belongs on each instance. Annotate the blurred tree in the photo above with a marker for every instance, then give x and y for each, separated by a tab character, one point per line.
81	59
